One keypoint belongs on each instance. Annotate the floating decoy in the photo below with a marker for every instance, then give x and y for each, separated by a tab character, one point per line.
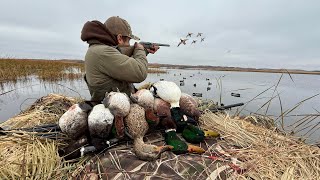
235	94
207	79
182	41
202	39
197	94
194	41
161	79
194	85
199	34
184	78
189	34
181	83
208	88
209	83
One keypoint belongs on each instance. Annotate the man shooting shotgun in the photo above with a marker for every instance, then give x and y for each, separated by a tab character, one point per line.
111	64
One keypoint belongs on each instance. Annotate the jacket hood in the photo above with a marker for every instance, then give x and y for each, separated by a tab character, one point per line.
94	31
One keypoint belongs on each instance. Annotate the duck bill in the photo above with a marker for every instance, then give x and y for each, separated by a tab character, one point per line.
162	149
195	149
210	133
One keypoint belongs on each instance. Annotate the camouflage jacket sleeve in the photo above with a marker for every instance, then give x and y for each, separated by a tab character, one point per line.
123	68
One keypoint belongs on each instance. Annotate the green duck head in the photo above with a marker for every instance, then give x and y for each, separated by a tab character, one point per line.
179	146
177	116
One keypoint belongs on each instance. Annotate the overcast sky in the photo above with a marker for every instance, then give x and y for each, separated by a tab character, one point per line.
241	33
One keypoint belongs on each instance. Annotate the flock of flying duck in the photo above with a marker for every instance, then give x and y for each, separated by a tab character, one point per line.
183	41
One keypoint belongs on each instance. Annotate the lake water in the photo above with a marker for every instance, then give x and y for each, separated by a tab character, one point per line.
248	84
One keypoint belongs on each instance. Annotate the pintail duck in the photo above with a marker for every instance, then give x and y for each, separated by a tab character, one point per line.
119	105
182	41
145	99
189	34
199	34
137	127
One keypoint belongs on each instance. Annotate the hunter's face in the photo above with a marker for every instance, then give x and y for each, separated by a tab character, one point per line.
123	40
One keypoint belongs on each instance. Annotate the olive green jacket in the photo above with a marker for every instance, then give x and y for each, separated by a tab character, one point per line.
108	70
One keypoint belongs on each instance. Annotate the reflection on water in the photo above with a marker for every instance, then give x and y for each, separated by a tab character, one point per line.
215	85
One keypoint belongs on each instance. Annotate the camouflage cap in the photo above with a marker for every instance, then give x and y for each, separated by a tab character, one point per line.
117	25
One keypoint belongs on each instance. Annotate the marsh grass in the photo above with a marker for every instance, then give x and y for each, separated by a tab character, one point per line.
46	70
13	70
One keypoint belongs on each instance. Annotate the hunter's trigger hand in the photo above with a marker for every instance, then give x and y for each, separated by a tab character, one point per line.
139	46
153	49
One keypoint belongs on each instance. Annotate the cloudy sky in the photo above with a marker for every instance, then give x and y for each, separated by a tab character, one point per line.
241	33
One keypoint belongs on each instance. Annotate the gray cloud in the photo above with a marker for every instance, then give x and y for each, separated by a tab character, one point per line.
271	34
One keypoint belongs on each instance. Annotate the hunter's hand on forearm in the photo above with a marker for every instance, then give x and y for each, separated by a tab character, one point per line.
153	50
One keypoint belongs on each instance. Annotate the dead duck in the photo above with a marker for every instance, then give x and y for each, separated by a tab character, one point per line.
100	121
171	93
189	106
119	105
162	109
137	127
74	122
145	99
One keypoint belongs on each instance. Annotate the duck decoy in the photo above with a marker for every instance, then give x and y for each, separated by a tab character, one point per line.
235	94
182	84
161	79
207	79
197	94
195	85
209	83
184	78
208	88
181	81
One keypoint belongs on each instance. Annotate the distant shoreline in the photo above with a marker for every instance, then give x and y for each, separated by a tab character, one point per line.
235	69
210	68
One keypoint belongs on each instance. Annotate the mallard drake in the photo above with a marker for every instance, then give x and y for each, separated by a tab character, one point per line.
137	127
74	122
100	121
162	109
189	106
119	105
145	99
180	146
